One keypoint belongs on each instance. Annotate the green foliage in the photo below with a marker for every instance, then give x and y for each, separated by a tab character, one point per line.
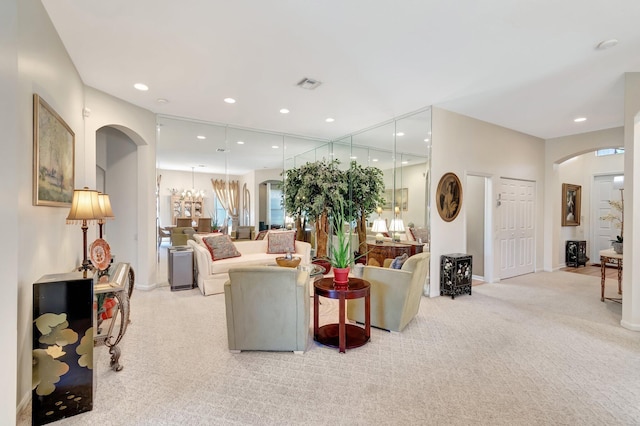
313	188
342	255
367	188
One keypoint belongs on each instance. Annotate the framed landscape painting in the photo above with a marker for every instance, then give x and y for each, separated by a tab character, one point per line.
53	157
571	200
400	196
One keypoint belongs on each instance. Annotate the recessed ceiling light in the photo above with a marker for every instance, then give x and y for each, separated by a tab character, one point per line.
353	157
230	100
201	137
162	101
275	146
580	119
426	140
329	120
605	44
405	162
141	87
374	160
284	111
240	142
400	134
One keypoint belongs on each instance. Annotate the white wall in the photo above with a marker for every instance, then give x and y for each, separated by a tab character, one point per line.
122	231
631	278
46	244
9	169
140	126
557	151
580	170
464	145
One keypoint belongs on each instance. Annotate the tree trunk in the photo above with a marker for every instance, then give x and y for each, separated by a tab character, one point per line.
362	233
322	234
299	229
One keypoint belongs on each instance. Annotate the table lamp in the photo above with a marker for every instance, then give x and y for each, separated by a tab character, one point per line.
105	206
85	208
397	225
379	226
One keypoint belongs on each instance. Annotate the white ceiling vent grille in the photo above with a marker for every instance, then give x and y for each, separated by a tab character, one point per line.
221	150
308	83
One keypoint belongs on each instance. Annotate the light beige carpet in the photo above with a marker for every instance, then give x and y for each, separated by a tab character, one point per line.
540	349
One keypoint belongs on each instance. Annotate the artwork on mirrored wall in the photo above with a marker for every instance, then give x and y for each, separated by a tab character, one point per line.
401	197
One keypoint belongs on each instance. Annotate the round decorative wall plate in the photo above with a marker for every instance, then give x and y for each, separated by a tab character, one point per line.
100	254
449	197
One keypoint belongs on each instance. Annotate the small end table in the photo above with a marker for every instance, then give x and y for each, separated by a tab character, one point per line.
610	256
341	335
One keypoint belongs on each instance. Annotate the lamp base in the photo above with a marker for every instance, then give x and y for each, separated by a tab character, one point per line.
379	238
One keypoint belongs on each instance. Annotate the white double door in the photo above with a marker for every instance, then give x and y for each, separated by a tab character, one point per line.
516	232
602	231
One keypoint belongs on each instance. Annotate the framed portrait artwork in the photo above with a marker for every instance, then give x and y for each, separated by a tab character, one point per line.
53	157
449	197
571	201
400	196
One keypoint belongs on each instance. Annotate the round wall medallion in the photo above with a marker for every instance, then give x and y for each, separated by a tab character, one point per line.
449	197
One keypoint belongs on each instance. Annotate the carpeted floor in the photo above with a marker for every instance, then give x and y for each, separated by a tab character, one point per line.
539	349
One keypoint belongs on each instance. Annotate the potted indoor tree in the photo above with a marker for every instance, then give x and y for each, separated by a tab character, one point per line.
366	186
310	192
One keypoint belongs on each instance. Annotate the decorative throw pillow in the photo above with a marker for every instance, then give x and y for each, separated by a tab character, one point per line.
261	235
373	262
281	242
399	261
221	247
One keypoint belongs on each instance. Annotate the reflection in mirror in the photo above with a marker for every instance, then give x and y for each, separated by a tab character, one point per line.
192	154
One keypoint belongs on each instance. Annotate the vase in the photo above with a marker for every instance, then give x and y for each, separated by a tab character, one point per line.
617	247
341	276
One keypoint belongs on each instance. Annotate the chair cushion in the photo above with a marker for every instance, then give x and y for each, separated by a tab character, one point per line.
281	242
221	247
420	234
399	261
243	233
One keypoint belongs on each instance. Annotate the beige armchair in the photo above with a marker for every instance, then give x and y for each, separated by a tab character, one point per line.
267	309
395	293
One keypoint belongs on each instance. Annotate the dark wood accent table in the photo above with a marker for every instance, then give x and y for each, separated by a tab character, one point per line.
342	336
610	256
388	250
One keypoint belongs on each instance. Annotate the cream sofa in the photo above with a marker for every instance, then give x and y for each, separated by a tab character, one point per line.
211	275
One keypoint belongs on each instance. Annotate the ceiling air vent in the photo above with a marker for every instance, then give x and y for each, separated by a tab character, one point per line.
221	150
308	83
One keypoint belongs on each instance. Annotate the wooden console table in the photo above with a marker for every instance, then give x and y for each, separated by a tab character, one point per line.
610	256
388	250
342	336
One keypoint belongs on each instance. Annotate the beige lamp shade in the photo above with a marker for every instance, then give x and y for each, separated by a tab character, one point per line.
379	226
397	225
105	206
84	206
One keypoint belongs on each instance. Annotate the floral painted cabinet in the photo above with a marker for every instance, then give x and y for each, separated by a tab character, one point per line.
455	274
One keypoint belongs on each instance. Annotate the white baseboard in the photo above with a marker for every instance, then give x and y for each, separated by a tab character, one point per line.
630	326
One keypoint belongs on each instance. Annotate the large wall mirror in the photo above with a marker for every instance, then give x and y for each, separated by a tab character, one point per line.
192	154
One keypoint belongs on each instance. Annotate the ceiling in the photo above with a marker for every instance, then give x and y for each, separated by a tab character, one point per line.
531	66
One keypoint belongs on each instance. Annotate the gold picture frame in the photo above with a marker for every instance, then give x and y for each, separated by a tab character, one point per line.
449	197
53	157
401	197
571	202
